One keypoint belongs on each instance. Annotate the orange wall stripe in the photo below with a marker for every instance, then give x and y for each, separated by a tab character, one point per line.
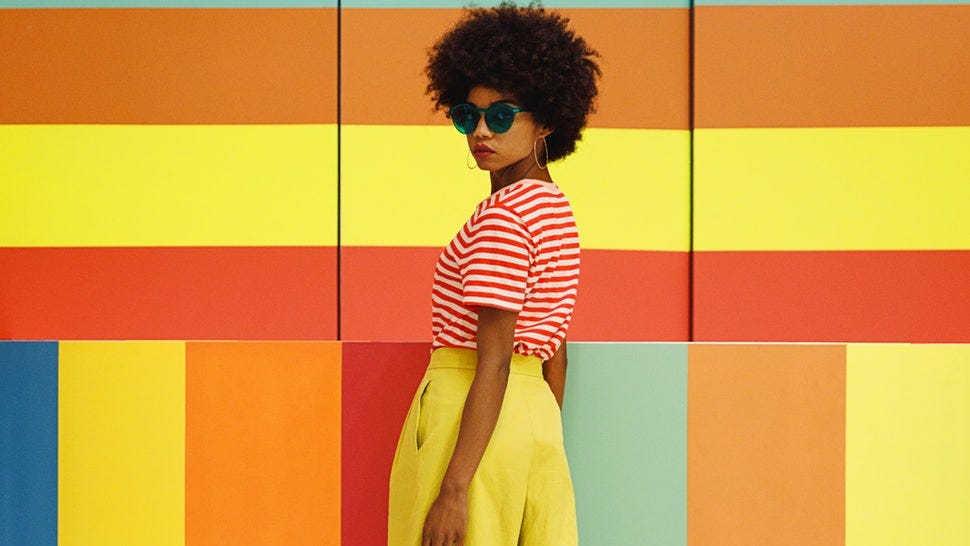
168	293
168	66
262	443
644	60
765	445
852	296
653	306
832	66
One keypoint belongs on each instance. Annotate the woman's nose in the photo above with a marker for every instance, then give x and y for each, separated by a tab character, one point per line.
482	130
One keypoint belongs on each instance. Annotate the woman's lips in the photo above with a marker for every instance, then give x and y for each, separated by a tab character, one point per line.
481	151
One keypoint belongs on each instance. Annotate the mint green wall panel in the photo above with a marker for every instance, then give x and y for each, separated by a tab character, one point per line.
625	425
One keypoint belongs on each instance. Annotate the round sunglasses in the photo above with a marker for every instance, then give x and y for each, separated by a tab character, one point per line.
498	116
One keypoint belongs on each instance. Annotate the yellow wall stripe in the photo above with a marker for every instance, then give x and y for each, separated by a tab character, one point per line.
409	186
907	442
891	188
156	185
121	474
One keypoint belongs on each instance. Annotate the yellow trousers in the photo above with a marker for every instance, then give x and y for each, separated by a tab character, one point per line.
521	494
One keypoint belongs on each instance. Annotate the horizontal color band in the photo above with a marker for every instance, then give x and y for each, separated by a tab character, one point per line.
168	66
832	296
832	189
118	185
629	188
623	295
645	63
168	293
832	66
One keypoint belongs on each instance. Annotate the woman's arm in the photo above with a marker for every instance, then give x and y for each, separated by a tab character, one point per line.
554	371
447	519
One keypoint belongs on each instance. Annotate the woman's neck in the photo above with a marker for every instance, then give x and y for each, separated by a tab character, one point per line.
522	169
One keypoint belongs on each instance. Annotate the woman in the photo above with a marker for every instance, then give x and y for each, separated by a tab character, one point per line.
480	460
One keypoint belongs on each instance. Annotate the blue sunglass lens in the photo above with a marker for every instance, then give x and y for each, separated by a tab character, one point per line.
499	117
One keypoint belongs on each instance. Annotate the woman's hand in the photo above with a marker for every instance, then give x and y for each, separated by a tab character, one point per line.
447	520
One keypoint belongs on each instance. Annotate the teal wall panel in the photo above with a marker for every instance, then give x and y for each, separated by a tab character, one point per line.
28	442
625	425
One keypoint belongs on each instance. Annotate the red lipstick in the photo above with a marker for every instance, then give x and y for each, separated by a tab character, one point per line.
481	151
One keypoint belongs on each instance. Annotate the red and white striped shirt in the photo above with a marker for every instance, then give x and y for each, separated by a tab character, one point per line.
518	252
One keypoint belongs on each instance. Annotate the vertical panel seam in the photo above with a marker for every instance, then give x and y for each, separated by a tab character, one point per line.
339	177
690	160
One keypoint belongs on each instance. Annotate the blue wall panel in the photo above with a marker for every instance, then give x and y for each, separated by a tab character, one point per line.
28	443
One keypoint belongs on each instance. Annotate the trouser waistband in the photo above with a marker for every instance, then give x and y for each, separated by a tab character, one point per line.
450	357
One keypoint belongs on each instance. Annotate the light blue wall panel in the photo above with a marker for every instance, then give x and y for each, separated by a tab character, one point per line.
28	443
625	424
547	3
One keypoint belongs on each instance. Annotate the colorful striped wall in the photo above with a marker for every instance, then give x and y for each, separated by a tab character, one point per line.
830	172
181	173
159	442
256	191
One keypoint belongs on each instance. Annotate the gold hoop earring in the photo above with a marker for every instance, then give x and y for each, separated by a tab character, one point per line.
468	156
535	153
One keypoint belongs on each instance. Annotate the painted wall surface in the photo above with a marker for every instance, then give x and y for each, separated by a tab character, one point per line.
830	172
780	171
405	190
292	442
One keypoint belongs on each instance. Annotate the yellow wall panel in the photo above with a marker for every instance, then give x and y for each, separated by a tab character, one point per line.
409	186
908	445
887	188
157	185
121	473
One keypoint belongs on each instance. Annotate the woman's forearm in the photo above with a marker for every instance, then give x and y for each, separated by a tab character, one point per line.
482	408
496	334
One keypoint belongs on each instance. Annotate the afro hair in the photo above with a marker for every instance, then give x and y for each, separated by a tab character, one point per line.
527	52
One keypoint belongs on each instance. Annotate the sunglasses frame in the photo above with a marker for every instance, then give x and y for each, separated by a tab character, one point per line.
479	112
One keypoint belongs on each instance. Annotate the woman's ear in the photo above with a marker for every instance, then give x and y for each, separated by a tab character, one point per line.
544	132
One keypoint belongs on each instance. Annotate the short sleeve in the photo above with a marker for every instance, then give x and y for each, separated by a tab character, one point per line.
495	270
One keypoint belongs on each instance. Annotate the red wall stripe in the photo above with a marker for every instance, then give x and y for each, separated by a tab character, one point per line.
852	296
168	66
185	293
623	295
832	66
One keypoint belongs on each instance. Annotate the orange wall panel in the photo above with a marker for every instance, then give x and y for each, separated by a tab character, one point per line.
766	445
262	443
